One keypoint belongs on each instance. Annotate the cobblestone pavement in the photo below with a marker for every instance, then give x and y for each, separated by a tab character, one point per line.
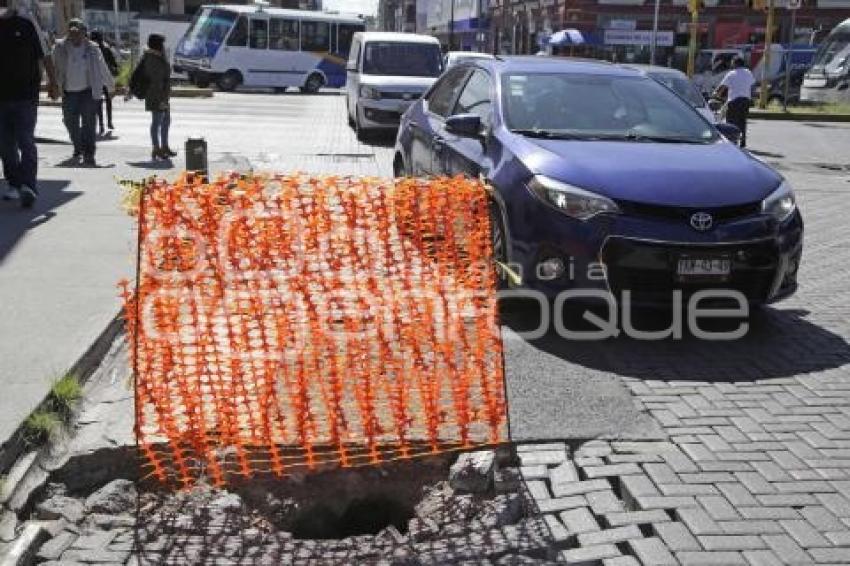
755	468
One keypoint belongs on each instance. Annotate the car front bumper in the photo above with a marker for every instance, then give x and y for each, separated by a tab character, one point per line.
640	255
384	114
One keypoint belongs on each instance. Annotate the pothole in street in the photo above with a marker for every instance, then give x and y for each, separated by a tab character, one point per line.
416	508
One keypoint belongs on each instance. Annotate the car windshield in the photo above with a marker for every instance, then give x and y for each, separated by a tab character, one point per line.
402	59
599	107
834	51
206	33
681	86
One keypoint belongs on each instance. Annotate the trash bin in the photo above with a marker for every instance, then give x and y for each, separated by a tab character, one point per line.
196	156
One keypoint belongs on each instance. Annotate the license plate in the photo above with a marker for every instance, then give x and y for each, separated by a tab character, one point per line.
814	83
704	267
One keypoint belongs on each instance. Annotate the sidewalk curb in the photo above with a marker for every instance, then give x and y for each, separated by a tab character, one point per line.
12	450
175	93
799	116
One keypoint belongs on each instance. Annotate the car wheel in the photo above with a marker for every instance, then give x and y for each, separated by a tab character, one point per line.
230	80
351	123
362	133
500	245
313	84
399	170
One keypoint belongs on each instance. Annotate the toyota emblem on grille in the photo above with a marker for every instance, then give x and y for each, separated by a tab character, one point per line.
702	221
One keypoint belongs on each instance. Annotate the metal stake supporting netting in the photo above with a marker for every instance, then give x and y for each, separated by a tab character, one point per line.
285	323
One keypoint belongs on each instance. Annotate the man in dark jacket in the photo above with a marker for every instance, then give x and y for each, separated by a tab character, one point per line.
23	54
158	72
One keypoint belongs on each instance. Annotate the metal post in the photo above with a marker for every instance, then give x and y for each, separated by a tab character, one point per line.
116	30
789	60
654	45
768	42
452	26
692	46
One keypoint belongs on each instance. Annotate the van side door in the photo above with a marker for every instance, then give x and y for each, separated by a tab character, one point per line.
466	155
352	75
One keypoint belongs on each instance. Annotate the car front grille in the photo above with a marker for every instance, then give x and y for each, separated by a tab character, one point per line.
390	95
382	116
720	214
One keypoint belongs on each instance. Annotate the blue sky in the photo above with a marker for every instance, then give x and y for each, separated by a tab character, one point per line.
367	7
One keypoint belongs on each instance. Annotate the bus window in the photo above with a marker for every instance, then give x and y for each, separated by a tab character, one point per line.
344	36
239	35
315	36
206	33
259	34
283	34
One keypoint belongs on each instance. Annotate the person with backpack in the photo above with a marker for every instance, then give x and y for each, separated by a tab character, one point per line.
112	64
83	76
151	81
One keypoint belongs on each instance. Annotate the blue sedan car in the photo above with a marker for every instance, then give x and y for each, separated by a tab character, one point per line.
606	180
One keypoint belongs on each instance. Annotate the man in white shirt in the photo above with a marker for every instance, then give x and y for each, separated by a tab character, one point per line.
82	75
739	86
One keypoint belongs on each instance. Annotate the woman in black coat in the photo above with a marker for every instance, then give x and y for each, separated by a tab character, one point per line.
158	72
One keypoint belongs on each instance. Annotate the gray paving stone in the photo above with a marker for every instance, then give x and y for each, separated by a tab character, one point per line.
633	486
839	538
621	561
661	473
804	533
786	500
604	502
708	477
726	466
718	508
772	513
751	527
711	559
610	536
652	552
538	489
589	554
755	483
579	520
648	502
612	470
771	471
561	504
678	489
822	519
542	447
731	542
636	518
804	487
787	548
737	494
557	529
837	504
762	558
564	473
534	472
835	555
580	487
542	458
698	521
676	536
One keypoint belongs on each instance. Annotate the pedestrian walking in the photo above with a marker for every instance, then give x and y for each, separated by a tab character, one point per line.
112	65
83	76
157	72
738	84
23	54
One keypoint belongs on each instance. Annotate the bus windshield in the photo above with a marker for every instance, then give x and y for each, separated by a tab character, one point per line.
399	59
834	54
207	33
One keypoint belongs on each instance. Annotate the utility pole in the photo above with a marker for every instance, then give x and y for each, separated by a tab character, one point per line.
654	45
694	6
768	42
452	25
117	29
793	5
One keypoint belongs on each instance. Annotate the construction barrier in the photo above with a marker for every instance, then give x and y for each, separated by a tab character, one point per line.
281	324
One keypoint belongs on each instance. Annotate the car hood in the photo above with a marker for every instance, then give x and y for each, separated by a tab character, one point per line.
411	84
688	175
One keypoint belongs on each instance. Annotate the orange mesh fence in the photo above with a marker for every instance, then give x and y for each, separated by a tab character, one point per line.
284	323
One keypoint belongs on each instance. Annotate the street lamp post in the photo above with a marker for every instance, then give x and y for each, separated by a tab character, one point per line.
452	25
654	33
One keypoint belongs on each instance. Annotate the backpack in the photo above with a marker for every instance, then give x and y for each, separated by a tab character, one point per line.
139	82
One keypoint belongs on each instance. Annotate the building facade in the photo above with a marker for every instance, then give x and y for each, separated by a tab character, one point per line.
621	29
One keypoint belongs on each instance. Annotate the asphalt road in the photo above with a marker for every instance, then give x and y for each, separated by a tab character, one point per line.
61	261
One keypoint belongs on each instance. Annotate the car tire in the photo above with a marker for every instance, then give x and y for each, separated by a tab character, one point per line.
229	81
399	170
314	82
362	133
499	242
351	123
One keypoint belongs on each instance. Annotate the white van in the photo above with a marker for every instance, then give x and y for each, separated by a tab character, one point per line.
386	72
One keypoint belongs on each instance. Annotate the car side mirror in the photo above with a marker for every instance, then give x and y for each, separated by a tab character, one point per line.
465	125
730	132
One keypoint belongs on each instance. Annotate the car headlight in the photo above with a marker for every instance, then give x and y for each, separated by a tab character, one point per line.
205	63
570	200
781	203
367	91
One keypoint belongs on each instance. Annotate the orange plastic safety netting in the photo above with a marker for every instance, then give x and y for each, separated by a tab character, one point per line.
282	323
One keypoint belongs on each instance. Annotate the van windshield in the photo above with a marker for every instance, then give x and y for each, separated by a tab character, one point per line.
398	59
206	33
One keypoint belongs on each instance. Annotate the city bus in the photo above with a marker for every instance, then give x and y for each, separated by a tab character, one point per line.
259	46
828	80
